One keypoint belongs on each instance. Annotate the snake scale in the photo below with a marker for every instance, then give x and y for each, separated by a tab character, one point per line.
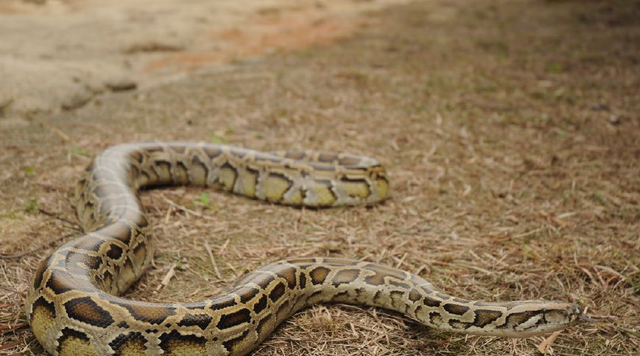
73	304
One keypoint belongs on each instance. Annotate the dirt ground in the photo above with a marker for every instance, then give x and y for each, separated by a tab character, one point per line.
510	129
60	54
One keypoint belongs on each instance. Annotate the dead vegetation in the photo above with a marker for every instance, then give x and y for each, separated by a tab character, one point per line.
511	133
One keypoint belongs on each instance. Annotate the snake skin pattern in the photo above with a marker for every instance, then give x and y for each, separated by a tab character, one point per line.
73	305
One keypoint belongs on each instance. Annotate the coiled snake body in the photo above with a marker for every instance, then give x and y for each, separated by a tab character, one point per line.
73	305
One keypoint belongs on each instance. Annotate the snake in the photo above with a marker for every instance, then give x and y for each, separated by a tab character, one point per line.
75	304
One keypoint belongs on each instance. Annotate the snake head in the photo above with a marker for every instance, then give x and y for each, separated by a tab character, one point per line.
564	316
541	317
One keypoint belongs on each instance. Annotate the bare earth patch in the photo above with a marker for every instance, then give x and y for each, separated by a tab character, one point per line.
510	130
59	54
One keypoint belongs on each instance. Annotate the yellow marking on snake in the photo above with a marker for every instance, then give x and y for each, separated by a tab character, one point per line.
297	198
42	320
275	187
324	194
227	177
359	190
74	346
249	185
382	187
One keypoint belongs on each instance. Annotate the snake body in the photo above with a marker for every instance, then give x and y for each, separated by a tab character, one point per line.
74	307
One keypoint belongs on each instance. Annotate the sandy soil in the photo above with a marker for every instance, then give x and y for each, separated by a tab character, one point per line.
59	54
510	129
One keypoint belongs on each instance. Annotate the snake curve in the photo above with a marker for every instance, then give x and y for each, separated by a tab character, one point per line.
73	304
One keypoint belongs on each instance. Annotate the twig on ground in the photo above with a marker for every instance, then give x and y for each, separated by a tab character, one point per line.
73	224
168	276
213	260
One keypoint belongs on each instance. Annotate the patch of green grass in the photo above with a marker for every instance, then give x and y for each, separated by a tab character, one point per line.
167	256
218	138
77	151
358	77
31	206
205	202
8	215
29	171
634	282
181	265
597	197
526	250
554	67
560	132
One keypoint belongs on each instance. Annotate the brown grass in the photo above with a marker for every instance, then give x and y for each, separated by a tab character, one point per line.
511	133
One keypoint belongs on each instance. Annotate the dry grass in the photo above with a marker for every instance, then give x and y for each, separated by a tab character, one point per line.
511	133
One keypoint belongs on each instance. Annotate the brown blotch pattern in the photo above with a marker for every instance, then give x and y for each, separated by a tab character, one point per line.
327	157
431	302
289	274
260	305
264	324
115	252
456	309
303	280
200	320
376	280
277	292
222	302
318	275
348	161
233	319
456	324
435	318
247	293
345	276
414	295
212	152
233	344
294	154
58	282
150	313
120	230
86	310
388	271
39	276
399	284
265	281
485	317
283	311
341	296
516	319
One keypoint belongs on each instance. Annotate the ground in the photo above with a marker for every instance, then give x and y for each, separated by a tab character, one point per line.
510	130
61	54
